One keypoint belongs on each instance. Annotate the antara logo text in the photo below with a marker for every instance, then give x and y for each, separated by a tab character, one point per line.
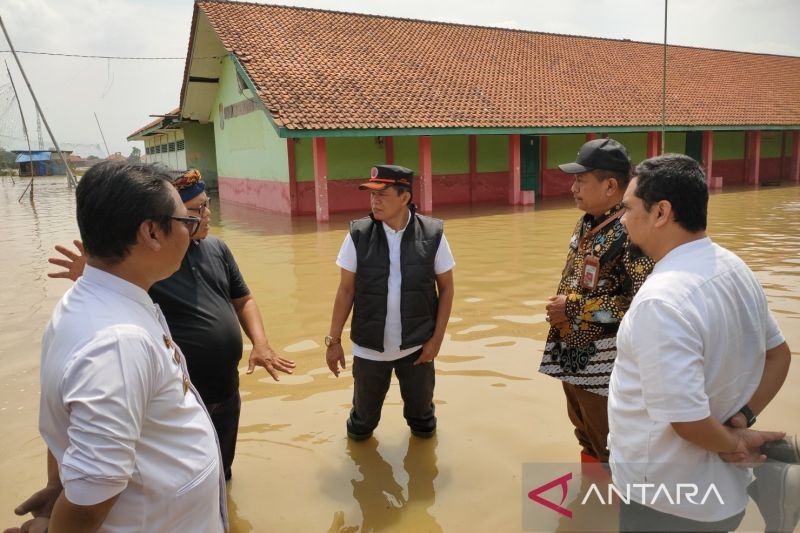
646	493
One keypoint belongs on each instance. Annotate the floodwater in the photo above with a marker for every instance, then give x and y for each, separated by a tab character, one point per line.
295	469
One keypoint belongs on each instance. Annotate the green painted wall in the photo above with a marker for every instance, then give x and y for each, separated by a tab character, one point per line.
304	160
771	144
200	151
492	153
675	142
348	157
563	148
450	154
353	157
728	145
636	143
248	145
406	153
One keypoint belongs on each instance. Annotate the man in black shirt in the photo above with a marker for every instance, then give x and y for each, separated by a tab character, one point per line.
204	303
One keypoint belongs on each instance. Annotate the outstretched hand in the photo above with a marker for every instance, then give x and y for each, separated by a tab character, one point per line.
265	356
74	263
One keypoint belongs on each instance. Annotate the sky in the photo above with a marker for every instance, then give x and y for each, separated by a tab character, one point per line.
124	93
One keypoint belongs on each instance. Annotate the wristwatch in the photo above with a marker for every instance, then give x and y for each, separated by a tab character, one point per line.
749	415
330	341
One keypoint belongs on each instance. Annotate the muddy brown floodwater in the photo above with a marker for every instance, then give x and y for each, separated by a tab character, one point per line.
295	469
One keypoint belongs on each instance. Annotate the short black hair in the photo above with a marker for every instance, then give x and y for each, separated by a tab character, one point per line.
680	180
400	189
623	178
114	198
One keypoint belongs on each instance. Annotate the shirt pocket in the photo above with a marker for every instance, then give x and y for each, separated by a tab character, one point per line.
199	478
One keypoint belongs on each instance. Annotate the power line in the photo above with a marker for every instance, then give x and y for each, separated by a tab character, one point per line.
85	56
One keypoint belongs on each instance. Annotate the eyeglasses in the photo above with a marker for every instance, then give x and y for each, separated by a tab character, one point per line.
192	223
202	207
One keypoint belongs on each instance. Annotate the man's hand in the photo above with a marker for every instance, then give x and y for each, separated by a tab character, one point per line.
34	525
266	357
40	505
738	421
334	356
73	265
557	309
429	352
748	447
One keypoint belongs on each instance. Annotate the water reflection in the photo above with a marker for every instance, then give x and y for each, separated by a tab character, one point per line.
381	498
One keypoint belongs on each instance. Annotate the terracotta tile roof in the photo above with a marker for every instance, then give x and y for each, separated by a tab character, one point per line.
174	113
323	70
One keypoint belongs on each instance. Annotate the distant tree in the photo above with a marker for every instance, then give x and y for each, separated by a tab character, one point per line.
92	157
7	159
135	156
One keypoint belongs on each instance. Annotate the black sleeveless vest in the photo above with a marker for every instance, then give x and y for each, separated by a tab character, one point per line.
419	300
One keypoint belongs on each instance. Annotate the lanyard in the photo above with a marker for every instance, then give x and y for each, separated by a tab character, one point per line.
597	229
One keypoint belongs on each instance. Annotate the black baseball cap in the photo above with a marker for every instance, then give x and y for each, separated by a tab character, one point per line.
602	154
383	176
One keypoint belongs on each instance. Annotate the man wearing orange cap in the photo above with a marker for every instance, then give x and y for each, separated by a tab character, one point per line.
397	277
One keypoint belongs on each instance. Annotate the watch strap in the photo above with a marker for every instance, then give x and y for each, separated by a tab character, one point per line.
748	414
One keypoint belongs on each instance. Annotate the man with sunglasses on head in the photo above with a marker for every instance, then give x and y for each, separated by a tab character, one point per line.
204	303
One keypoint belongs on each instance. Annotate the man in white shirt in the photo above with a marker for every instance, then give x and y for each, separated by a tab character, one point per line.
130	445
397	277
697	348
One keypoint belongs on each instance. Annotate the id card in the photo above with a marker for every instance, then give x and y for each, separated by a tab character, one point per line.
591	272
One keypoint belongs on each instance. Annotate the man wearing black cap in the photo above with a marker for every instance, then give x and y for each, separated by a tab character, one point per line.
397	277
597	285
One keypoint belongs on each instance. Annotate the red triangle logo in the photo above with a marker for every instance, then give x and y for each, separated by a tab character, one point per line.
535	494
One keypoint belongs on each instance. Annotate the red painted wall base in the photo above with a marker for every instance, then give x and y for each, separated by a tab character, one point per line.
263	194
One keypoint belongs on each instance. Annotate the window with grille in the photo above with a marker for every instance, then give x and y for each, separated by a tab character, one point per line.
171	147
181	145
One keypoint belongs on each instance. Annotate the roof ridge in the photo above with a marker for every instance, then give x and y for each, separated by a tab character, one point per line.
498	28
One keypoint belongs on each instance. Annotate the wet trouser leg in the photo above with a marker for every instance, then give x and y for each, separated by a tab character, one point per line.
588	412
371	382
225	417
416	387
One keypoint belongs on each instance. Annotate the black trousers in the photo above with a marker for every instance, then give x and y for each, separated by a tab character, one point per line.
372	380
225	417
637	517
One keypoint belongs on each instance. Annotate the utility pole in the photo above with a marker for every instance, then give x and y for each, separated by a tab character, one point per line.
27	137
101	135
664	84
71	181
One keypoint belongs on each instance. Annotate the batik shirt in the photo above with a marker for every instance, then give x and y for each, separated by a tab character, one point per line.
582	350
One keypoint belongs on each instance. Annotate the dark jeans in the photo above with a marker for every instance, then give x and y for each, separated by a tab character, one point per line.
225	417
637	517
372	380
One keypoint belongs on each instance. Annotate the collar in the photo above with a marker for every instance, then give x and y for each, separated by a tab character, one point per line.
118	285
390	231
689	248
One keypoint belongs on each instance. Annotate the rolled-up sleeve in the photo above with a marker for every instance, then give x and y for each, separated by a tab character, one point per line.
106	391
